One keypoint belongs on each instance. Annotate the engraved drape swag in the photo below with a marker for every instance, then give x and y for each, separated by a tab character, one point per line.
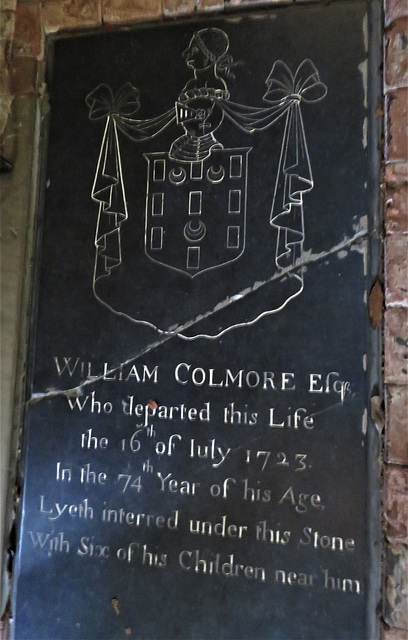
285	93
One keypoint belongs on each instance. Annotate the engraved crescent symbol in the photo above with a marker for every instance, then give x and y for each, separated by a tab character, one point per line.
177	176
194	233
215	175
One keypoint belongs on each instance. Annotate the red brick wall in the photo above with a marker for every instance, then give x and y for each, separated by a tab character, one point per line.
22	30
395	602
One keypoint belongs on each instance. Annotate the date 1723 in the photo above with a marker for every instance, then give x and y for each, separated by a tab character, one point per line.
296	462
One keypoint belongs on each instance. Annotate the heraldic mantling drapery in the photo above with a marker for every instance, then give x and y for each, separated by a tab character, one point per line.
285	93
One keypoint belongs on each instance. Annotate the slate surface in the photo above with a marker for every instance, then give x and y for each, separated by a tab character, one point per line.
295	484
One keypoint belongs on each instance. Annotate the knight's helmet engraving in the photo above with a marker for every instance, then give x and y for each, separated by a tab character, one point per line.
198	110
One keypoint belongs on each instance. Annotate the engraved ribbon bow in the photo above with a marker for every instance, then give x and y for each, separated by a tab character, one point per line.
108	189
103	103
304	86
294	177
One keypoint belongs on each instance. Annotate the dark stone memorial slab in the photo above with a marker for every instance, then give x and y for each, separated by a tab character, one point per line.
196	452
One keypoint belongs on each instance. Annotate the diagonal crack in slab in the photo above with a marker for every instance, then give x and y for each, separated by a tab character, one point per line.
317	257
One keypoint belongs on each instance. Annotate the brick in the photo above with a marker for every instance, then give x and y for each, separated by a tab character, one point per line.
70	14
396	209
123	11
254	3
396	269
396	505
396	407
8	5
5	51
396	588
396	345
5	109
397	143
4	80
396	174
7	21
394	634
204	6
23	74
28	31
178	7
395	9
396	66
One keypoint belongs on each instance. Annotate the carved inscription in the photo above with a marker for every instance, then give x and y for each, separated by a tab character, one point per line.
196	455
161	445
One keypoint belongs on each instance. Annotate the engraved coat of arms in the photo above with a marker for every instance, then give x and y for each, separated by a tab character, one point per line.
196	198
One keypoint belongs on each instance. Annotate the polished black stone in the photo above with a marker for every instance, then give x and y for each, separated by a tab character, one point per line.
221	280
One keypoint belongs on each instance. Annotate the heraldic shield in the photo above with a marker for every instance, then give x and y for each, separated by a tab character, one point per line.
196	195
196	211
